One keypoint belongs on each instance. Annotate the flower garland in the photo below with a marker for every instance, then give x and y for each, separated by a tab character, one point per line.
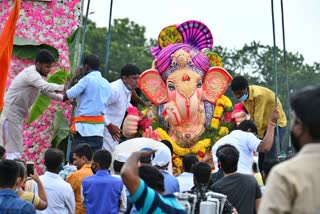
223	104
199	146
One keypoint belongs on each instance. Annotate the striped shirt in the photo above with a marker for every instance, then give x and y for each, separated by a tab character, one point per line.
147	200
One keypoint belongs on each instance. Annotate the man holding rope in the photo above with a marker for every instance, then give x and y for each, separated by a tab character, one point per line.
259	102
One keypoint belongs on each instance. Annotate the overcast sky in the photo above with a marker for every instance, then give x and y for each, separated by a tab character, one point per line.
232	22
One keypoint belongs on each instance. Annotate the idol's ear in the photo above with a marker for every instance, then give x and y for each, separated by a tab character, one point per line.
215	83
153	86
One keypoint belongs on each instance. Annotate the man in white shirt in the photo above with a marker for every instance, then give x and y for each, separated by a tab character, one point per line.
245	139
19	97
118	103
60	194
186	178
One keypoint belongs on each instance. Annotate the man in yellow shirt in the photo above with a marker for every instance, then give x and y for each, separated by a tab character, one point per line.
82	157
259	102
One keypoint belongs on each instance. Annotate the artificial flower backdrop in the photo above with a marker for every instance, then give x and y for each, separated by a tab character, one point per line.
48	23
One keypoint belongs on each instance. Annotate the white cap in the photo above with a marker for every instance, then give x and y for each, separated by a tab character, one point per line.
162	157
122	157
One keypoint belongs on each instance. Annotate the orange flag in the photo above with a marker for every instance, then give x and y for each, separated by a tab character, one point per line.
6	46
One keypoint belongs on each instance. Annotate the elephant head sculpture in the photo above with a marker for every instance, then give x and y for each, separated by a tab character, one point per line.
182	81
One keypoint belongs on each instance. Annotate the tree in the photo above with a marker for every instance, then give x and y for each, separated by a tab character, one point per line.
128	45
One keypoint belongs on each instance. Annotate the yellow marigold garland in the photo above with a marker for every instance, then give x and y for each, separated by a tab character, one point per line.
223	131
222	103
202	145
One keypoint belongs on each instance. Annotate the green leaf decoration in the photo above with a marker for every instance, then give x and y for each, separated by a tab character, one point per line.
42	102
61	129
72	43
28	49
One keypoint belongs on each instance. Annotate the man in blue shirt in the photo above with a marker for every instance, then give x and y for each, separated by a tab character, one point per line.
101	192
9	201
161	161
93	92
138	180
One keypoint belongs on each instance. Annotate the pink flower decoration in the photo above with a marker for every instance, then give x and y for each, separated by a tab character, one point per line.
50	23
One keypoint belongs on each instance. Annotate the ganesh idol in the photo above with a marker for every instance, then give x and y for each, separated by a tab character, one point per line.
186	85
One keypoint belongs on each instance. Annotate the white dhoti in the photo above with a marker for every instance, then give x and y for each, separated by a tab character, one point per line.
11	136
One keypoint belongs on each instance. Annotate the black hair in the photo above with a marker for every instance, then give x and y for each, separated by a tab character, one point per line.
45	56
83	149
254	167
22	169
9	173
305	104
2	151
239	83
103	158
92	61
248	126
168	144
228	156
268	164
188	161
117	165
201	172
53	158
152	177
130	69
71	158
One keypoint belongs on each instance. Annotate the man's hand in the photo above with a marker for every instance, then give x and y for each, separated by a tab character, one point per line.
79	72
35	176
145	154
114	131
130	170
275	115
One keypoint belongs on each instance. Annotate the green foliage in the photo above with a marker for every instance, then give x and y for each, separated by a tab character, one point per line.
42	102
61	129
128	45
28	49
72	42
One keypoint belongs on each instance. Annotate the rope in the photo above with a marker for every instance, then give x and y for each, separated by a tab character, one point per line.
275	70
84	32
70	139
109	35
285	68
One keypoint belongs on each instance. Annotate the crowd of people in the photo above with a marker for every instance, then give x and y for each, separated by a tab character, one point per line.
98	180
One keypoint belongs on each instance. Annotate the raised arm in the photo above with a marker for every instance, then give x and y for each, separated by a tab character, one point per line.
43	203
268	139
130	172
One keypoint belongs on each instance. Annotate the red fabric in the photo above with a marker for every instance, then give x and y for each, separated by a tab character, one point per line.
6	46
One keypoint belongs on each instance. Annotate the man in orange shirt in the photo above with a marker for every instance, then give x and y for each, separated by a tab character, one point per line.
82	157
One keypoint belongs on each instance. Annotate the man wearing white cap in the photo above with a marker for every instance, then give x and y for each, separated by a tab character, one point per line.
161	161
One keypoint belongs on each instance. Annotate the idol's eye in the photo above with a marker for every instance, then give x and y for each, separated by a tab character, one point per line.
199	84
171	86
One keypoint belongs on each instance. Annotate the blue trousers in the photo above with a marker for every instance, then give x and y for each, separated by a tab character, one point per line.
95	142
